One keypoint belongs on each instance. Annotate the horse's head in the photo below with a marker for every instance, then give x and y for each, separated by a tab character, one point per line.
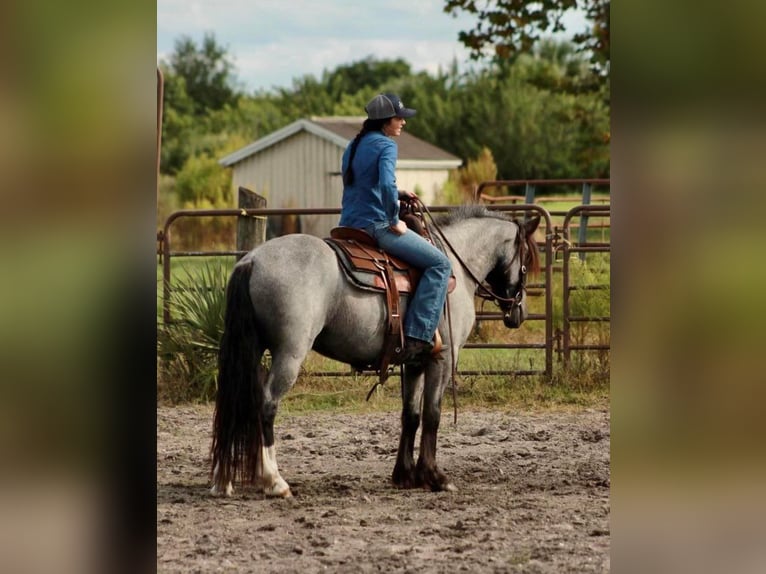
517	258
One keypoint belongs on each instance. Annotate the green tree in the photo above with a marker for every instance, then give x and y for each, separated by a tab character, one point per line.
208	73
202	183
512	27
307	97
531	131
554	66
178	123
340	91
251	118
197	81
366	73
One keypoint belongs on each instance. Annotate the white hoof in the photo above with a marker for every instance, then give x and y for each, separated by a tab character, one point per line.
450	487
228	492
279	489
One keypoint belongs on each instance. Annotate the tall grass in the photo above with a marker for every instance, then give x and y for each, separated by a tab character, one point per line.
595	302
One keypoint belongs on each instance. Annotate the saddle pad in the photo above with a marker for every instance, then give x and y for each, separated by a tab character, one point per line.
362	264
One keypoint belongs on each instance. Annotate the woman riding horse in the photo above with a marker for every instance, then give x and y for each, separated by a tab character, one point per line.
371	203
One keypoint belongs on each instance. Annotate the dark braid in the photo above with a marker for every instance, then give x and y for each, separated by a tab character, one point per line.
367	127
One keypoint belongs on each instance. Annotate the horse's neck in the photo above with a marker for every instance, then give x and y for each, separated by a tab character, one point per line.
475	241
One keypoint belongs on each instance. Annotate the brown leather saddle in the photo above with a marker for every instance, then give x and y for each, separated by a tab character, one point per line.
367	265
370	268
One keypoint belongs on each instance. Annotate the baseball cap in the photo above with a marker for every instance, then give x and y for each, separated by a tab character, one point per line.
385	106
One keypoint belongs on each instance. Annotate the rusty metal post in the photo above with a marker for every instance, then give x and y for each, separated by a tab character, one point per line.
166	275
583	231
160	99
565	293
549	235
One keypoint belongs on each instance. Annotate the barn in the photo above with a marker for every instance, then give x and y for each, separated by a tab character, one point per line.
299	166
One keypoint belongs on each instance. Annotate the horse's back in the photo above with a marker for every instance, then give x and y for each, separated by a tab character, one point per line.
298	291
292	263
295	279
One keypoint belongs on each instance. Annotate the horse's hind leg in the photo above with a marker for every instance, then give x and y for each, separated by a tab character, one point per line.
282	375
412	393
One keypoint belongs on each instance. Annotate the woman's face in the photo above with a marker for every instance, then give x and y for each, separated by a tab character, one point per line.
393	127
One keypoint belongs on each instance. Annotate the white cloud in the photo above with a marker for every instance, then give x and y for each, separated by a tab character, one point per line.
277	64
273	42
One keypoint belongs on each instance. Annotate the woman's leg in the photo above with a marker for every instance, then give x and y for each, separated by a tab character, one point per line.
425	307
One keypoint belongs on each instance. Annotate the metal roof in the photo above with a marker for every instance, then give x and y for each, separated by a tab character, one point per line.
414	153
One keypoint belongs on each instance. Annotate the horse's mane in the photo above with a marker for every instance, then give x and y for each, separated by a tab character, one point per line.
475	210
468	211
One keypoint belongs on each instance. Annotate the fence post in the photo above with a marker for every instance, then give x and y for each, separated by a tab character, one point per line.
529	198
582	236
529	193
251	231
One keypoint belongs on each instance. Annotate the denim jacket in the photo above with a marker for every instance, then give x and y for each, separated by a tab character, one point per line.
373	199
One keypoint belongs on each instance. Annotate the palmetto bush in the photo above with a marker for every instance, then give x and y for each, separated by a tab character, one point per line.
187	348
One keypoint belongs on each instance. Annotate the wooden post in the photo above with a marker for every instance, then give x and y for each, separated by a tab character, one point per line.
251	230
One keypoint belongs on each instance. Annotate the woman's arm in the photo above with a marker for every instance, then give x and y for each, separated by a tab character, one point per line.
387	174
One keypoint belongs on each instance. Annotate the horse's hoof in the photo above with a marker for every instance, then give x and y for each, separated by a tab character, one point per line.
279	489
227	492
449	487
405	479
273	493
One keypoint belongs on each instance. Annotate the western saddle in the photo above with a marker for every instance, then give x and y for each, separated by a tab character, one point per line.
368	267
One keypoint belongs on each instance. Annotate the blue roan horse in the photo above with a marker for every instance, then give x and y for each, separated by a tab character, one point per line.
289	296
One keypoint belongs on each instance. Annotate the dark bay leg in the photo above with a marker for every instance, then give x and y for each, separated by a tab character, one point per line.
404	475
429	475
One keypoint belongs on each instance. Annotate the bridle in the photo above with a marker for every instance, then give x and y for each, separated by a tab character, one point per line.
511	301
506	303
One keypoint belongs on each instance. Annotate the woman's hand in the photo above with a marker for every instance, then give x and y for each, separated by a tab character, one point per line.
407	194
400	228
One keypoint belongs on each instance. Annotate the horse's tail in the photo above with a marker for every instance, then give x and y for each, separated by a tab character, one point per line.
237	426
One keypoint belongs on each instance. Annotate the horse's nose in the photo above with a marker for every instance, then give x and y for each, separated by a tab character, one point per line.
512	319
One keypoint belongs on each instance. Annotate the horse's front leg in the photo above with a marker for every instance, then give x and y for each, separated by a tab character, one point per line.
427	471
404	475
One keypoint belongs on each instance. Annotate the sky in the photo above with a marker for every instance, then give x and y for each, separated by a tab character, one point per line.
272	42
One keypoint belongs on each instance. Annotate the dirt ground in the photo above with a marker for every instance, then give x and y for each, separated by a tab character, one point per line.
533	497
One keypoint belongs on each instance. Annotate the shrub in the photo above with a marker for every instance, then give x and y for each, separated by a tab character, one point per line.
187	348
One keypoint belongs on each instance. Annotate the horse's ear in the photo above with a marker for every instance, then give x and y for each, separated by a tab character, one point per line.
530	225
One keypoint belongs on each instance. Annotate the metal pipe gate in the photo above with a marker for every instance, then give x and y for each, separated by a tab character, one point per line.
583	246
546	345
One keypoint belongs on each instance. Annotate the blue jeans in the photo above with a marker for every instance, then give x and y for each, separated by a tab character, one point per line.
425	306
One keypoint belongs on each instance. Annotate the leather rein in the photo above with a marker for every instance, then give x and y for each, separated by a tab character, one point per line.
506	304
